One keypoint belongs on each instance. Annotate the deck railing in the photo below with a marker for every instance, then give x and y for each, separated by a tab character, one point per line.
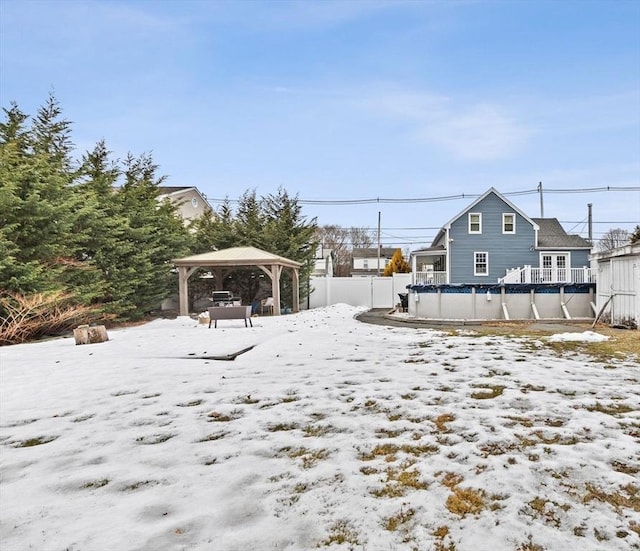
429	278
549	275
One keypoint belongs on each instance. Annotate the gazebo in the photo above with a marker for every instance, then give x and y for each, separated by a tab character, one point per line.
225	261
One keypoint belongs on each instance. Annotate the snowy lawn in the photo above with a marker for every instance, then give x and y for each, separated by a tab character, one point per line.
327	434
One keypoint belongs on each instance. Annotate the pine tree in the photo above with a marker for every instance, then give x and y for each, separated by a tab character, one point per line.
39	207
154	235
635	236
289	234
398	265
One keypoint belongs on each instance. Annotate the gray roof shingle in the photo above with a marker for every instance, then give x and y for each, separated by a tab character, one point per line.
552	235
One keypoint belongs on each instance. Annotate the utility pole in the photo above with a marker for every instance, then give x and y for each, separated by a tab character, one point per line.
590	223
378	243
541	200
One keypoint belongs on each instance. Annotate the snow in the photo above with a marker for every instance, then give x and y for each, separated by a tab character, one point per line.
319	436
585	336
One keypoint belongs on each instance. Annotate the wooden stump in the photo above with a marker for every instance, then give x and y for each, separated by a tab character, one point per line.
89	335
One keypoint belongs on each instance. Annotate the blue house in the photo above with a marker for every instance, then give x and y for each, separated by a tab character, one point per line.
493	241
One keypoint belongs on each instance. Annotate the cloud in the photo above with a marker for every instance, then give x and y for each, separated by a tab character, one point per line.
475	131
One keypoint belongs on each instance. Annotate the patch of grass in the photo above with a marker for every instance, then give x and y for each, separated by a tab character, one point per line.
627	497
517	420
278	427
489	392
390	450
529	545
502	447
540	508
190	404
246	400
399	480
37	441
341	532
440	534
137	485
534	388
451	480
309	457
154	439
613	409
291	396
218	417
388	433
123	392
409	396
625	468
397	521
441	422
622	345
82	418
465	501
213	437
95	484
555	439
319	430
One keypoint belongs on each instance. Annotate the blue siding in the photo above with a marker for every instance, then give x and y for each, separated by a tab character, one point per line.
580	259
505	250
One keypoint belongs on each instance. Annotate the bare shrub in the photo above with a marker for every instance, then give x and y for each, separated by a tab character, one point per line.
28	317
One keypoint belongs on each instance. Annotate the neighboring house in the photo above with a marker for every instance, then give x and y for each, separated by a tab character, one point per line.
492	241
365	260
618	293
323	262
191	204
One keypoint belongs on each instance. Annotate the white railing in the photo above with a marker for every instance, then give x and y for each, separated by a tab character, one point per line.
549	275
429	278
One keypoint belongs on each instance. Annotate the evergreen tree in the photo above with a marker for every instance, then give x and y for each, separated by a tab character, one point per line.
635	236
154	235
291	235
250	220
398	265
38	206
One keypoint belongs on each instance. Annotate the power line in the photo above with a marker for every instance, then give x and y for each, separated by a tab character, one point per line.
386	200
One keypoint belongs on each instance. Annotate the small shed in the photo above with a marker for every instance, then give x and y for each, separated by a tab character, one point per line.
227	260
618	284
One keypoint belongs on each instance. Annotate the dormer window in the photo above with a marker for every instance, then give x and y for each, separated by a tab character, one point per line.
508	223
475	222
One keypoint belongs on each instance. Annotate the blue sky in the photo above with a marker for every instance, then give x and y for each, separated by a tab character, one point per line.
338	100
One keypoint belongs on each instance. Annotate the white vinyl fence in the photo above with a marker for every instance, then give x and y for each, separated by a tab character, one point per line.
618	290
372	292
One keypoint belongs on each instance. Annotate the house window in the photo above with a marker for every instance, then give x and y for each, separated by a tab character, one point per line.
475	222
508	223
365	264
481	264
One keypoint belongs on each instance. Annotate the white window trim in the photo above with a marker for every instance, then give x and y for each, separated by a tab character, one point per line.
475	264
479	215
504	215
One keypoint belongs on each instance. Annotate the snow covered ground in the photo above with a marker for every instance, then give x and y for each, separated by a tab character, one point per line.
328	433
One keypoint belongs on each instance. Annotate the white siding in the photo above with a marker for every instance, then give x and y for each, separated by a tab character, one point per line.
619	276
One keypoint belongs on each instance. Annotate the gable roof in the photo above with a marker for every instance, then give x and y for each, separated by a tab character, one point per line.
372	252
490	191
170	190
553	236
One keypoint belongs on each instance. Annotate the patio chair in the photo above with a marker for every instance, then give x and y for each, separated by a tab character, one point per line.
267	304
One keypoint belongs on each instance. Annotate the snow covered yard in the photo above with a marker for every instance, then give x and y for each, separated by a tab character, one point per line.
327	434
